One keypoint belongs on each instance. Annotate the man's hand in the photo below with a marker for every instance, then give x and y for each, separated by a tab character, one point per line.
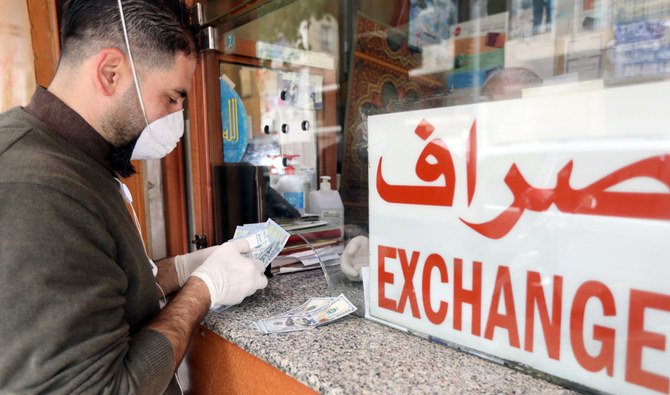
229	276
226	277
174	272
187	263
179	317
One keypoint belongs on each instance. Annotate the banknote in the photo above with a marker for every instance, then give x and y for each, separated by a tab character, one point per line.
290	317
221	307
310	305
282	323
257	238
258	241
337	308
268	240
248	229
314	312
277	238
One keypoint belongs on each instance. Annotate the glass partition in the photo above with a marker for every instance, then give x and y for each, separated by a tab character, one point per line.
483	93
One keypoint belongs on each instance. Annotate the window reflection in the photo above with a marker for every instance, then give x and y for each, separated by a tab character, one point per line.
310	72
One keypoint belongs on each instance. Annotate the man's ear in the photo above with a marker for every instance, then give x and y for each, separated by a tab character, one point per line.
110	67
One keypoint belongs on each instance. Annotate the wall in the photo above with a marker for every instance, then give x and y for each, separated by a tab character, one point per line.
17	71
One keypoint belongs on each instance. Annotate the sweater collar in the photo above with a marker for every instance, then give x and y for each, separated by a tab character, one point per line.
68	124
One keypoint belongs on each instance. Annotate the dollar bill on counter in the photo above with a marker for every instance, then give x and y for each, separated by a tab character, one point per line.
267	240
281	324
291	320
337	308
314	312
309	305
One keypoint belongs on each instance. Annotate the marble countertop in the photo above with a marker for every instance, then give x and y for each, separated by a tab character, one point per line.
354	355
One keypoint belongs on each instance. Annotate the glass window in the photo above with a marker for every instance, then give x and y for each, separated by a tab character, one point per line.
511	133
328	65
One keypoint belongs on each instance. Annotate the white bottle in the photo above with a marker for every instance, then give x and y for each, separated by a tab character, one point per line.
327	203
291	187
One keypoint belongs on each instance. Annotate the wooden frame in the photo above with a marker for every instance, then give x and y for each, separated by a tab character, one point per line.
205	126
174	200
45	37
202	125
244	53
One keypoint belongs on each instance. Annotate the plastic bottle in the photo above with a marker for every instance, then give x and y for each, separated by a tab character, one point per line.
327	203
291	186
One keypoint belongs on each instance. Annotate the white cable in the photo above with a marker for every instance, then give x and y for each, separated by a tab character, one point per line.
162	293
176	376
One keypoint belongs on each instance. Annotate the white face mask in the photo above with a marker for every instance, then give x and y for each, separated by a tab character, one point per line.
161	136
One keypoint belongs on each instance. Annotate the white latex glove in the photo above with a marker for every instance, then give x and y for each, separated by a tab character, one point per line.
187	263
229	276
355	256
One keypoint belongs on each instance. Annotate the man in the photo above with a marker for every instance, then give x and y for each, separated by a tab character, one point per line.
78	298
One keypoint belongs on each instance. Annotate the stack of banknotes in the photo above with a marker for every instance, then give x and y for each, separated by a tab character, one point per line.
314	312
266	240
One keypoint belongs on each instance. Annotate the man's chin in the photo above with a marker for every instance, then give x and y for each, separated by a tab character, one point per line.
119	160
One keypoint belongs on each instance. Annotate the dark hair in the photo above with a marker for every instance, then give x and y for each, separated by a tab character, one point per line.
157	30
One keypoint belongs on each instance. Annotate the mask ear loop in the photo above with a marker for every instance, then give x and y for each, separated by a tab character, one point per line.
128	198
124	189
132	63
144	113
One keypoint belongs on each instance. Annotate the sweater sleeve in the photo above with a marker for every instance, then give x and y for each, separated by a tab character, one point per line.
62	298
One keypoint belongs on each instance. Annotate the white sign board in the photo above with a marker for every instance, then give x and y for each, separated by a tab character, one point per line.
535	230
